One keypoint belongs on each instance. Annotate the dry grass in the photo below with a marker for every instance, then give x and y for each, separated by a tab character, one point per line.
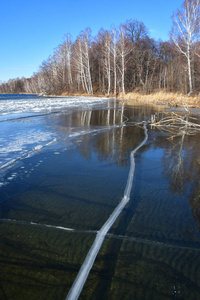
172	99
85	95
168	98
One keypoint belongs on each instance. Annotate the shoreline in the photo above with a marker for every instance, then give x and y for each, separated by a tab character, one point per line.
169	99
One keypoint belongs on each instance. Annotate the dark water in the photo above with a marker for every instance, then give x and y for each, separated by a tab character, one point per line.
54	199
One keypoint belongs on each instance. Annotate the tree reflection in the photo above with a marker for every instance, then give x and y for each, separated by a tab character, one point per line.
115	142
175	165
182	168
194	172
109	133
119	137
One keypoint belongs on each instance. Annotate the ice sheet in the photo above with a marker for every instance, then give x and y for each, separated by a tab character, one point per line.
84	271
24	129
20	107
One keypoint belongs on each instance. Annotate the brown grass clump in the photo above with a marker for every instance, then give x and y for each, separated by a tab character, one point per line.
169	98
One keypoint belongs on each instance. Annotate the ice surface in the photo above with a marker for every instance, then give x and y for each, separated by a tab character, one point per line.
84	271
18	143
20	107
23	133
23	145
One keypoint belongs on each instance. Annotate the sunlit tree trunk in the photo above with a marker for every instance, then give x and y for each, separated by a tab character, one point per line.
82	61
68	47
115	67
185	32
114	54
107	58
122	50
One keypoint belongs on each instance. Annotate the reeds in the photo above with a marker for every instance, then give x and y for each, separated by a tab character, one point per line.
169	98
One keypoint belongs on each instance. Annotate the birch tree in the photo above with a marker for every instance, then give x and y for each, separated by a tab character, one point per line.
123	52
86	42
68	48
114	53
82	61
106	58
185	32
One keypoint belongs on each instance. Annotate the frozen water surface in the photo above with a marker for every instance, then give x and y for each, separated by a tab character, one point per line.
25	123
28	105
64	167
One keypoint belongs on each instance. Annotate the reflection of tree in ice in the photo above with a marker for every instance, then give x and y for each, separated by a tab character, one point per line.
195	178
117	140
195	203
183	158
178	127
176	168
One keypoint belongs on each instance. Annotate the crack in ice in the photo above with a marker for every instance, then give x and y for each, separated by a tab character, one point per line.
84	271
110	235
22	222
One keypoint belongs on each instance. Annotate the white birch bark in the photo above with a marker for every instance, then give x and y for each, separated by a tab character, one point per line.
68	46
82	61
115	59
185	32
107	58
123	51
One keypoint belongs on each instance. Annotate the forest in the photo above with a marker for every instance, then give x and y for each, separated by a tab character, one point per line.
121	60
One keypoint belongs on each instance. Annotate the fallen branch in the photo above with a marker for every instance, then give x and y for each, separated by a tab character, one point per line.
176	124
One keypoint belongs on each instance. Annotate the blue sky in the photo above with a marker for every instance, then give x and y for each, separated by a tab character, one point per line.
32	29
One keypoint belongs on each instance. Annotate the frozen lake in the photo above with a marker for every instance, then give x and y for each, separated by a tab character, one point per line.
64	165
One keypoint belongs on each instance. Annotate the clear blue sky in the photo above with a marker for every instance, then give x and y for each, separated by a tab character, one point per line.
31	29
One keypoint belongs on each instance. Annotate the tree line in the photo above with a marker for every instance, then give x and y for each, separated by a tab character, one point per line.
122	60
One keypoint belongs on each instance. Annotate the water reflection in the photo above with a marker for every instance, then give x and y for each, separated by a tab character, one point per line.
109	131
181	159
154	249
194	175
176	169
110	115
183	165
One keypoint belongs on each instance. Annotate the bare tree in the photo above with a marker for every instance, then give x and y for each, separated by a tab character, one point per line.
86	40
123	50
106	43
114	52
135	31
122	60
82	61
185	32
68	48
107	60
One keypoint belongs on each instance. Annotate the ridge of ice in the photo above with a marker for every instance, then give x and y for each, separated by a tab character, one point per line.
84	271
